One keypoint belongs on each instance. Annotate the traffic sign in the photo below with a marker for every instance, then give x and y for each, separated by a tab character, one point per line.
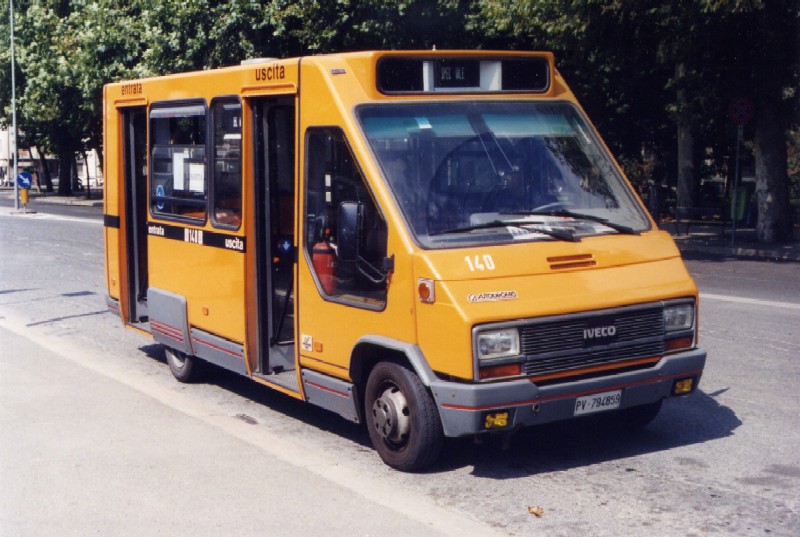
741	110
24	180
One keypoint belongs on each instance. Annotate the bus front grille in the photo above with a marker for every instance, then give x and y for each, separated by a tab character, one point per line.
601	339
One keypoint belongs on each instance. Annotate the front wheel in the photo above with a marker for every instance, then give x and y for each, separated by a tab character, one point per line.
185	368
402	419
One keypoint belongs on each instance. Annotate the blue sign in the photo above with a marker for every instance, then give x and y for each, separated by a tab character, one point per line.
285	246
160	194
24	180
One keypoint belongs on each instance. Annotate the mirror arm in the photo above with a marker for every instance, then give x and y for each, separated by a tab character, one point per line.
388	264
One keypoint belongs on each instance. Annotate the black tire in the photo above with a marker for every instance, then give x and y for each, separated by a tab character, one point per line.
402	418
185	368
639	417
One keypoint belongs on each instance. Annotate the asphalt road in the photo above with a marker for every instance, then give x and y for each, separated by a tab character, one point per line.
96	437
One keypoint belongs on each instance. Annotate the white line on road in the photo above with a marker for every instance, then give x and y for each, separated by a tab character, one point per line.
754	301
49	216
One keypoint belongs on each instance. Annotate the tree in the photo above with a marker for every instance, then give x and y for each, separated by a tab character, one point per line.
756	56
655	76
775	47
201	34
314	26
49	103
66	51
610	58
681	58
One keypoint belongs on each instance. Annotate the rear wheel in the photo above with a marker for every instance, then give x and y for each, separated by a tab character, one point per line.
185	368
402	419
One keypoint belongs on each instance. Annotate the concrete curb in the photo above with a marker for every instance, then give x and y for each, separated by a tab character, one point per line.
788	253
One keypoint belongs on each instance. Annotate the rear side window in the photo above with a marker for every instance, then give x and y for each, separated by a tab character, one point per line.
178	186
226	117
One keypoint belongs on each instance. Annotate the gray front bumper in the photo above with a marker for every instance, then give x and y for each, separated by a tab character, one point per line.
463	407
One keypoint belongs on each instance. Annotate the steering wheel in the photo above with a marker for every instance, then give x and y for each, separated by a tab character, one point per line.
555	206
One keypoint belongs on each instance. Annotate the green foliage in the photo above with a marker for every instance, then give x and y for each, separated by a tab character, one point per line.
199	34
65	52
68	49
621	57
225	32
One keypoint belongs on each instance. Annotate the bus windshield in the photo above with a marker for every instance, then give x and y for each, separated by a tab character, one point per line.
467	173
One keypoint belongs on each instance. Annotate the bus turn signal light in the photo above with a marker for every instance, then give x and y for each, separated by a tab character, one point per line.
683	386
426	290
496	420
497	371
671	345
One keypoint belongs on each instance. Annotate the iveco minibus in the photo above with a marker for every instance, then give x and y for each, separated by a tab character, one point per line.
431	243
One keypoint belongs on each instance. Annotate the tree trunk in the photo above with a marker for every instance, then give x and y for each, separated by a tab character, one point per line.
65	164
44	171
76	181
772	180
88	182
686	178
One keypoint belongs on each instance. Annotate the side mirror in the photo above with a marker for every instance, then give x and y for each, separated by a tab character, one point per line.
349	230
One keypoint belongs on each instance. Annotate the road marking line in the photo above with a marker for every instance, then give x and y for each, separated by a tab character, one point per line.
50	216
754	301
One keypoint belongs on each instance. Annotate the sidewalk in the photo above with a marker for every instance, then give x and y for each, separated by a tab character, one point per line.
702	240
95	199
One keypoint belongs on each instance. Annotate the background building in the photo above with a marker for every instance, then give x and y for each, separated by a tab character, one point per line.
88	168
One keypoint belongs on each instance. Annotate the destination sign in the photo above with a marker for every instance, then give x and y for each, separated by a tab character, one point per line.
457	74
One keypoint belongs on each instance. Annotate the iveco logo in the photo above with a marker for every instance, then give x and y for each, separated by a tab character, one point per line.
599	332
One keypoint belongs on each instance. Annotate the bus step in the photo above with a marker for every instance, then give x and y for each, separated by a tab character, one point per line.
285	379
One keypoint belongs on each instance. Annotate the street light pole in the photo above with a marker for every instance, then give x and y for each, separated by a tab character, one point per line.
13	106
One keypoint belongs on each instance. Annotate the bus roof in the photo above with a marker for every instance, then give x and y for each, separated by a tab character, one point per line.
381	75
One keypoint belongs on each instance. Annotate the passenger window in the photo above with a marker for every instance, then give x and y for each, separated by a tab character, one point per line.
350	268
227	170
178	161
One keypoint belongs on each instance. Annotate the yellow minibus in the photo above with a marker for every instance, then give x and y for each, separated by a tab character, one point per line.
431	243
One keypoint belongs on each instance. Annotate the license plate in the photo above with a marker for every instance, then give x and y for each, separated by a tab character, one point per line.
598	402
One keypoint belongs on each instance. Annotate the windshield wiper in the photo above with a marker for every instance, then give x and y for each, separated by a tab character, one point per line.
556	234
579	216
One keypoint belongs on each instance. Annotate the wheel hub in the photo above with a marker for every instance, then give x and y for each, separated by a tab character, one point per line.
390	415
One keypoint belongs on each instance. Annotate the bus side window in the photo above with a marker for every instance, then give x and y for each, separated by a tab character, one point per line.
178	161
333	178
227	168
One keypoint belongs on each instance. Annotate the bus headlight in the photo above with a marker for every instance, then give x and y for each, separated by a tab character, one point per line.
679	327
498	343
679	317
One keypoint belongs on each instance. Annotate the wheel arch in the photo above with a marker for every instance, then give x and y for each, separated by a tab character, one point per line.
370	350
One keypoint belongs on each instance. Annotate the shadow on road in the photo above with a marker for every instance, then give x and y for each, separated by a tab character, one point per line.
155	351
584	442
65	317
275	400
548	448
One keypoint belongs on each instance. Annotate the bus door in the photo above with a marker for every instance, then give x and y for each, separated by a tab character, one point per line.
134	139
274	189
